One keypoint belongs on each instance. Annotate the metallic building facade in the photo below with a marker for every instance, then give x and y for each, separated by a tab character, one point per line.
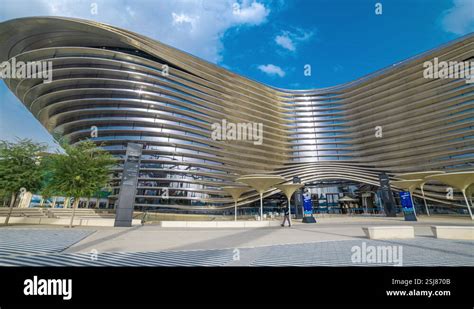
131	89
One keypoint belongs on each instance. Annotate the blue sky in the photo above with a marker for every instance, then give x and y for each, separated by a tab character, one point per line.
266	40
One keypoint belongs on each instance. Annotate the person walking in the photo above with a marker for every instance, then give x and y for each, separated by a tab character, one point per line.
286	217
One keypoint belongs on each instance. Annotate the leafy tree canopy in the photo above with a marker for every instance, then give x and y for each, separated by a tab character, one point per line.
20	165
81	171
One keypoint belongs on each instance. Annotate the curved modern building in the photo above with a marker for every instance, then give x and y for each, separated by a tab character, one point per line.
131	89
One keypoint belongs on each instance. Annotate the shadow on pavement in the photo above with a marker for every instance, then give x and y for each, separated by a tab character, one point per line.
91	243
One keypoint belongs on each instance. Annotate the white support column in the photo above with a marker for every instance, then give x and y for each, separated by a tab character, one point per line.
289	211
424	200
467	204
413	203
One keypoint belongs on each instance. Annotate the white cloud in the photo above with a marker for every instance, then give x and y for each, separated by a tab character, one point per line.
285	41
253	14
460	18
130	11
288	40
195	26
183	19
271	70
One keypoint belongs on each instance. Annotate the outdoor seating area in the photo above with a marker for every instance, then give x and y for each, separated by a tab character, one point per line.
81	212
23	212
60	216
57	213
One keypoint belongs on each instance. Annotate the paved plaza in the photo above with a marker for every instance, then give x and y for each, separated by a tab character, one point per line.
328	243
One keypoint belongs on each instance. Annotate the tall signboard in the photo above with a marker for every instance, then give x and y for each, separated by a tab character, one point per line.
128	187
387	196
298	200
307	203
407	206
308	207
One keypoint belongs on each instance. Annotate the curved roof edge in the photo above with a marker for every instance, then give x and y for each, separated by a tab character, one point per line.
111	28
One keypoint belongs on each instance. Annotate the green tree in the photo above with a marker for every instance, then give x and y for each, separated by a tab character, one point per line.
4	196
81	171
20	168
